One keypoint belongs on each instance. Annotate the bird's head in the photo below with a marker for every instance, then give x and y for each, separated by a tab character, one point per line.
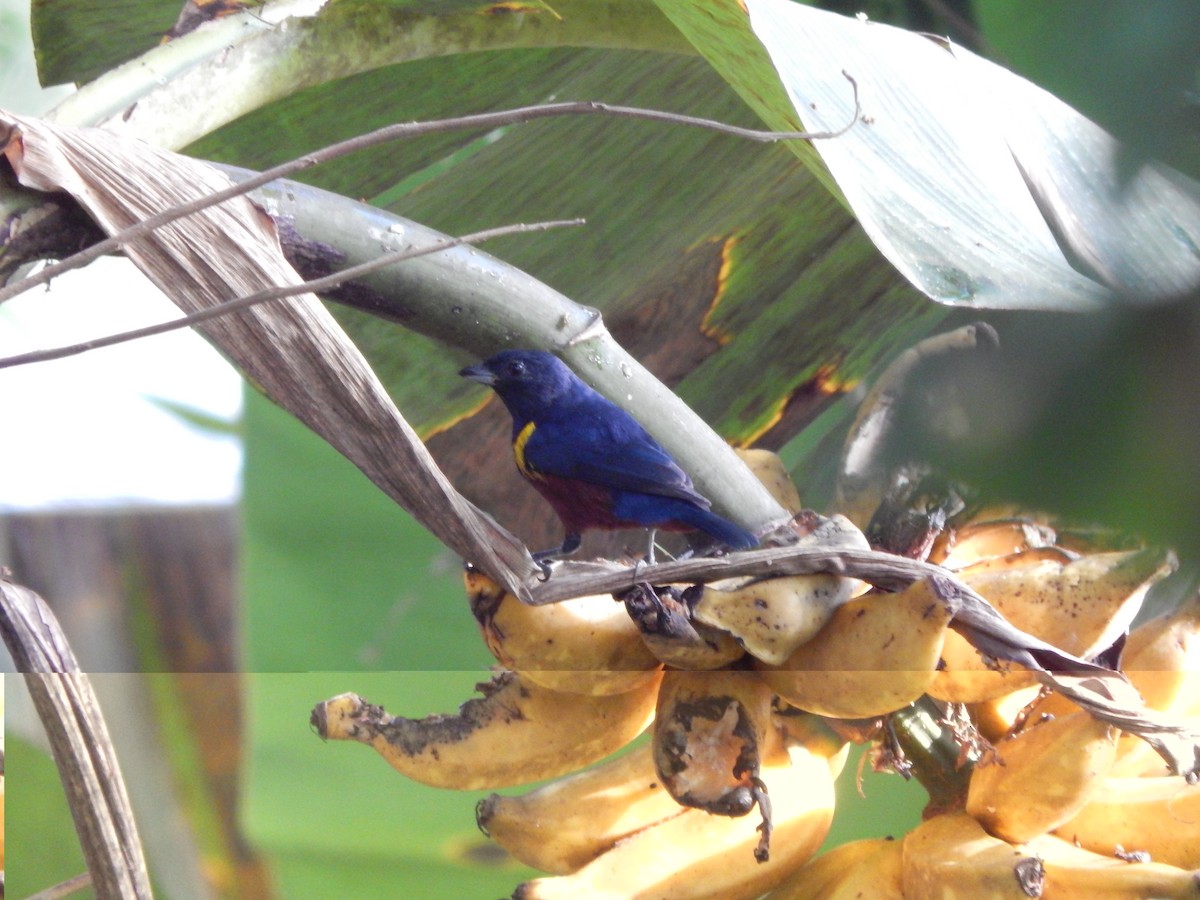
528	381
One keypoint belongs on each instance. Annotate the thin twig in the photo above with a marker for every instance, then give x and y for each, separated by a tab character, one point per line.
577	579
409	130
63	888
277	293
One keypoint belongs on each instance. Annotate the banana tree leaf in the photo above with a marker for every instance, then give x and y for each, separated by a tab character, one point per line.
241	63
980	188
75	40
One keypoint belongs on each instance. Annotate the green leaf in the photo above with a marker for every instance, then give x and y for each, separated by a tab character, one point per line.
970	180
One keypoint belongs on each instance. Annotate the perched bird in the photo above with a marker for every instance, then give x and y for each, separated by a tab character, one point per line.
591	459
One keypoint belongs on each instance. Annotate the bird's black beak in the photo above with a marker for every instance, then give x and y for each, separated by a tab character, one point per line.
479	373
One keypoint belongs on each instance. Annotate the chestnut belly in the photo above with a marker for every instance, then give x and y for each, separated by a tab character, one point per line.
582	506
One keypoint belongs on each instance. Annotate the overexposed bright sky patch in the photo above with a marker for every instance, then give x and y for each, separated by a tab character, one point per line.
84	430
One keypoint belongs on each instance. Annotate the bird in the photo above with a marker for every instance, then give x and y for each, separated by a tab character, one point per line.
591	460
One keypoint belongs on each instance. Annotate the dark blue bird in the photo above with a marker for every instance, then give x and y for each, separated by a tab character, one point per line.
591	459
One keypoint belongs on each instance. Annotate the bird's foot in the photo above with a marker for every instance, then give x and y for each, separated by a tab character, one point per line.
543	558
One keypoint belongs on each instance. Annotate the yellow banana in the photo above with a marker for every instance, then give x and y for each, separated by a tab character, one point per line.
587	645
712	734
1162	659
951	857
1158	815
1072	873
770	470
870	868
1023	558
1081	607
877	654
994	718
1041	777
517	732
967	678
771	617
670	634
563	825
800	727
699	855
976	542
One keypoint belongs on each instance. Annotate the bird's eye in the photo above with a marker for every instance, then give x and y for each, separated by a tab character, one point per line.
516	368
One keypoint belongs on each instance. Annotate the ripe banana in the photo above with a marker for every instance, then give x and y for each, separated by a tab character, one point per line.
699	855
1073	873
1023	558
876	655
1080	606
771	617
670	634
951	857
587	645
800	727
517	732
1159	815
712	734
563	825
1041	777
995	718
976	542
1162	659
868	868
770	470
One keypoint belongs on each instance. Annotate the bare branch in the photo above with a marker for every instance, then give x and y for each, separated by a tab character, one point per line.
279	293
403	131
64	888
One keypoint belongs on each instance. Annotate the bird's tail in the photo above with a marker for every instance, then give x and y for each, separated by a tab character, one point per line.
733	536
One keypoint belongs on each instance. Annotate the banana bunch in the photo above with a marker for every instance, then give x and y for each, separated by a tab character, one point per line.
694	853
1059	804
742	685
1080	604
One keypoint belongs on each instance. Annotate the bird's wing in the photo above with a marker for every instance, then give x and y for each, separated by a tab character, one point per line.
609	450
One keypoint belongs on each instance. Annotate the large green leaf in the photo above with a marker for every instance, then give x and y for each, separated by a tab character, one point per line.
983	190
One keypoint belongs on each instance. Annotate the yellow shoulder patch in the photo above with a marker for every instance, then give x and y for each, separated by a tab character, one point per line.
519	443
